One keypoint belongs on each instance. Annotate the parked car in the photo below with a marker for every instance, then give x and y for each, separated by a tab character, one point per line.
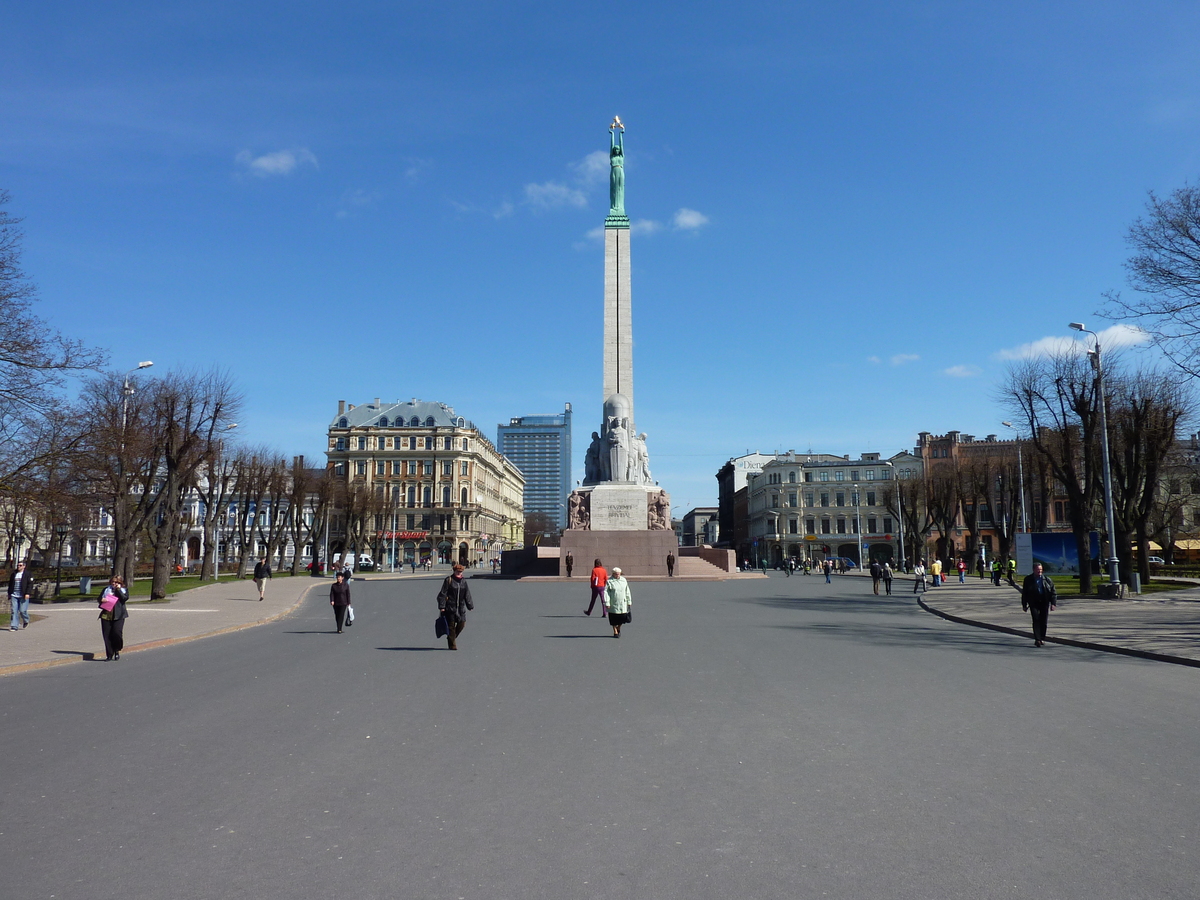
1157	561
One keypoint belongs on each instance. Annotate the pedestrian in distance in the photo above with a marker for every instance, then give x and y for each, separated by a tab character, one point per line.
1038	597
919	577
112	617
996	572
876	576
887	578
339	599
620	603
935	572
828	567
570	561
262	571
962	571
454	599
979	567
1012	572
599	581
20	590
787	567
670	565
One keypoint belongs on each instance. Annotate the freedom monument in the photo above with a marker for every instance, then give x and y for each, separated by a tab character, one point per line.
620	514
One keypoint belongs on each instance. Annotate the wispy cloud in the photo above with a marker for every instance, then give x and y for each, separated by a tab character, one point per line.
552	194
281	162
592	169
901	358
354	200
1110	338
963	371
689	220
644	226
874	359
415	167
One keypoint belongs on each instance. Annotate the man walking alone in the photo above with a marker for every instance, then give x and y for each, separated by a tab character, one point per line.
1038	597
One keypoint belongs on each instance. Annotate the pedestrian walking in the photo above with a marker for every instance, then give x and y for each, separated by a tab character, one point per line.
996	572
887	578
962	571
454	599
112	617
339	599
20	590
935	570
979	567
876	576
828	567
1012	572
620	603
1038	597
670	565
262	571
570	563
787	567
919	577
599	580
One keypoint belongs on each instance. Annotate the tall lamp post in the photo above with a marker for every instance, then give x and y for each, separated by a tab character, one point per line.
858	525
1020	474
1113	573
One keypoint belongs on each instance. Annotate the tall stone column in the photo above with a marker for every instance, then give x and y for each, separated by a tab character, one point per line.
618	316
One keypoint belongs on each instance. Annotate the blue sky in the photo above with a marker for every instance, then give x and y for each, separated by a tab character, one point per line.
847	216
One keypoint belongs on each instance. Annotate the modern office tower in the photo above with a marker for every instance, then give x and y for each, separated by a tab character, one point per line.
540	446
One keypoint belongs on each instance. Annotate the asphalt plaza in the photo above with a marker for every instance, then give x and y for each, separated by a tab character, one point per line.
766	738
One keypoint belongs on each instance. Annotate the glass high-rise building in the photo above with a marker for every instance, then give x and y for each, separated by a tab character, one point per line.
540	446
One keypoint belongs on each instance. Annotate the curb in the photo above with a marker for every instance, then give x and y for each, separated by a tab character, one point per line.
161	642
1067	642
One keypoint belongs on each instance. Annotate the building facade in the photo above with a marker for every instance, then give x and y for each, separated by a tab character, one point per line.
416	476
700	526
540	446
814	506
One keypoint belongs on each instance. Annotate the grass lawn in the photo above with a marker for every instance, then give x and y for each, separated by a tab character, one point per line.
179	583
1067	586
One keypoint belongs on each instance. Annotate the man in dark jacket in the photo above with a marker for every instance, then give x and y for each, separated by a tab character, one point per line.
262	571
1038	597
876	575
453	600
20	589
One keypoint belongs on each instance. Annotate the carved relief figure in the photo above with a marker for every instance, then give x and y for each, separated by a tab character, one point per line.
641	461
579	513
658	513
593	461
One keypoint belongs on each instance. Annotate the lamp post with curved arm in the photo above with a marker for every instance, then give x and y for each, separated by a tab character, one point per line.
1113	573
1020	474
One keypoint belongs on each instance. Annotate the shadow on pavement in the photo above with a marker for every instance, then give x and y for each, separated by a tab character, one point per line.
411	649
82	654
574	636
870	604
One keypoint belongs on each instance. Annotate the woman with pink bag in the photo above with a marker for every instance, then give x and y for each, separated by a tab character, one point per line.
112	617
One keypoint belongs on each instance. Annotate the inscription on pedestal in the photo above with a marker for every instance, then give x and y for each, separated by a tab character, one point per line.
618	508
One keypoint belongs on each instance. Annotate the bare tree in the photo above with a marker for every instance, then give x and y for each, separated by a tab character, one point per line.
1165	271
309	501
251	469
271	520
942	501
1056	399
905	499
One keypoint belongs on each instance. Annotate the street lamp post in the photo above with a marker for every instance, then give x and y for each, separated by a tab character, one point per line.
1020	474
62	531
858	526
1113	573
900	507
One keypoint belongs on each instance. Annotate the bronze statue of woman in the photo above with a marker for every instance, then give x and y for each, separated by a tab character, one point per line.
616	181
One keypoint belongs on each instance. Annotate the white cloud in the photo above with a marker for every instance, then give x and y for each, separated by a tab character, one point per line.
901	358
1110	339
644	226
553	194
963	371
689	219
874	359
593	168
281	162
356	199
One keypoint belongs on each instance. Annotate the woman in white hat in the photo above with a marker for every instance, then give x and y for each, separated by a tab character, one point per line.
620	604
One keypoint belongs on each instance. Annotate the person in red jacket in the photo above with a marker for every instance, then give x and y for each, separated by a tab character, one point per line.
599	582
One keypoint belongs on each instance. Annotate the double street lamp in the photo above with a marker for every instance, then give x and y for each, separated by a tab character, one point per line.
1094	355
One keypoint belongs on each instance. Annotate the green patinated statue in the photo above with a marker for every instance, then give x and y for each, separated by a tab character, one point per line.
616	157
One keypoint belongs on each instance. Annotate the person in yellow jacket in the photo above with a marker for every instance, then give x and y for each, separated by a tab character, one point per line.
935	569
620	604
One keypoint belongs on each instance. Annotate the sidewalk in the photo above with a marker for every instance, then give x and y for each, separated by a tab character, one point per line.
1163	626
69	632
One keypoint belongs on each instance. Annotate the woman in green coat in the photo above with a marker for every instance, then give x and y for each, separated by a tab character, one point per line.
620	604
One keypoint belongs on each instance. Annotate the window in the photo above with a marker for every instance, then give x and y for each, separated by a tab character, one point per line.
792	499
824	498
871	523
412	498
887	524
824	476
791	477
465	521
428	443
810	526
343	422
425	523
464	497
380	466
774	501
383	423
870	498
870	474
414	422
841	526
428	467
426	496
793	526
448	443
462	468
854	474
447	467
465	445
341	444
396	494
429	423
839	499
808	476
410	521
446	495
362	443
839	475
412	442
360	467
808	499
1060	511
825	526
339	468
